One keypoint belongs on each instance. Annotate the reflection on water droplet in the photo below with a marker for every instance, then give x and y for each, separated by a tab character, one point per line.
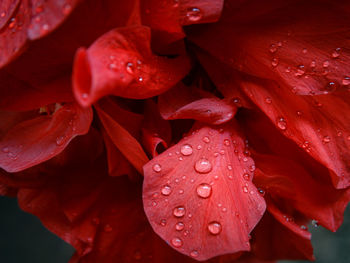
274	62
214	228
227	142
300	71
326	64
179	226
261	191
281	123
268	100
336	53
194	253
245	189
186	149
246	176
346	81
273	48
176	242
326	139
179	211
163	222
203	166
166	190
130	67
204	190
157	168
194	14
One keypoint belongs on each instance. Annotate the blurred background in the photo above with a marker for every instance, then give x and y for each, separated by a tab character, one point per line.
24	240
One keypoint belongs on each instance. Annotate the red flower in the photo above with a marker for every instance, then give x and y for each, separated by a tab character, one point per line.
241	106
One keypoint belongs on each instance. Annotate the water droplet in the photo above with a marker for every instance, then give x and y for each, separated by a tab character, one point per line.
176	3
222	152
326	64
336	53
314	223
112	66
67	8
204	190
304	51
326	139
274	62
157	168
5	150
300	71
268	100
194	253
179	211
199	147
186	149
60	140
108	228
331	87
288	70
130	67
261	191
313	64
166	190
246	176
181	191
12	23
229	167
281	123
227	142
203	166
154	203
245	189
273	48
176	242
163	222
179	226
299	113
206	139
194	14
3	14
214	228
346	81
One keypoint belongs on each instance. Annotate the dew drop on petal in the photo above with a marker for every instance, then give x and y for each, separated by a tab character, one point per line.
281	123
186	149
214	228
326	64
179	226
157	168
163	222
206	139
194	253
274	62
203	166
227	142
194	14
300	71
204	190
245	189
273	48
336	53
176	242
346	81
261	191
179	211
268	100
60	140
246	176
166	190
326	139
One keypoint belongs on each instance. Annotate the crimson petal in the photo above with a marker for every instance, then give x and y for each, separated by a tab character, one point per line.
198	195
37	140
121	63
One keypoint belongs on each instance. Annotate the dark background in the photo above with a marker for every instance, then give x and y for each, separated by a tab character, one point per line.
24	240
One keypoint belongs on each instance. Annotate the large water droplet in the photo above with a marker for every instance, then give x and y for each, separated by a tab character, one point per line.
204	190
166	190
214	228
203	166
281	123
186	149
194	14
176	242
179	211
179	226
157	168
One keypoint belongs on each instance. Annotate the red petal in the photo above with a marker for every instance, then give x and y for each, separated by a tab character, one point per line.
204	183
156	132
278	238
123	140
277	45
184	102
121	63
35	141
319	125
285	179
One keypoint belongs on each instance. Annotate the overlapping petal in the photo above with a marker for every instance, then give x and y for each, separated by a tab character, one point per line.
198	195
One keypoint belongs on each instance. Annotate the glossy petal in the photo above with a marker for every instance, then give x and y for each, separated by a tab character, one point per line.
121	63
37	140
277	45
319	125
204	183
284	179
184	102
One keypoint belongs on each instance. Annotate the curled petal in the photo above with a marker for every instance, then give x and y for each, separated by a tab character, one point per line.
121	63
198	195
34	141
183	102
